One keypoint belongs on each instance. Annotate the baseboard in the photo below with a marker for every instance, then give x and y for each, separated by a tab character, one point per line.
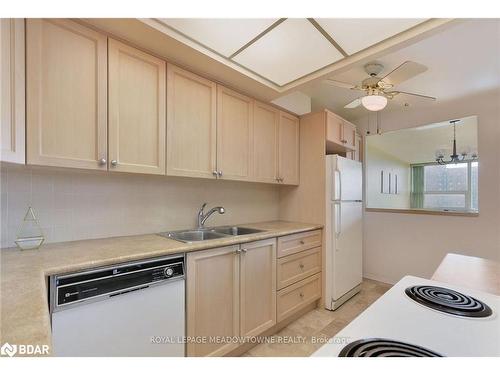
380	278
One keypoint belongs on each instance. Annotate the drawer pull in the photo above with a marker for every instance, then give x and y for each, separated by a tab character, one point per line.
302	242
301	266
301	295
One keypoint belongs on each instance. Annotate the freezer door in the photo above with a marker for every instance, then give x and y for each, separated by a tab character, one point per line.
348	247
347	179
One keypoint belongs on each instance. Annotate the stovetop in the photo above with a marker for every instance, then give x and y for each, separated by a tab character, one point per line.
448	301
399	321
384	348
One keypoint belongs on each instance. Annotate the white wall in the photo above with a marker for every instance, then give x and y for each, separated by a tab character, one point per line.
74	205
376	161
399	244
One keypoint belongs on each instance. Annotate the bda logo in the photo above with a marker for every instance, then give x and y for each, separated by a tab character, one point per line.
8	349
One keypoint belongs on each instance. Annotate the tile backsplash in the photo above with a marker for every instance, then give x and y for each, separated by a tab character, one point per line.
73	204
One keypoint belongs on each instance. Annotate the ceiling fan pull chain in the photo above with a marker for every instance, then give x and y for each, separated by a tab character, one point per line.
378	123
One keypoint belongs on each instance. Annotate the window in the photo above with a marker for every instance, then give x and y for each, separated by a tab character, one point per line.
446	187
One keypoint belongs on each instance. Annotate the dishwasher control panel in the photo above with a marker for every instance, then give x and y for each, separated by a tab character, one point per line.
106	282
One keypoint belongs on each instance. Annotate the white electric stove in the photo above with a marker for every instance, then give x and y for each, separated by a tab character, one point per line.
420	317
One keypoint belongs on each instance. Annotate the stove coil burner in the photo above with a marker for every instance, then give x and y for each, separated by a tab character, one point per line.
384	348
448	301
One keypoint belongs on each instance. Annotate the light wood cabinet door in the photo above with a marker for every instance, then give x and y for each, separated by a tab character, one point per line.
349	135
288	149
66	94
234	135
298	295
257	287
12	94
265	143
137	117
191	124
334	128
213	299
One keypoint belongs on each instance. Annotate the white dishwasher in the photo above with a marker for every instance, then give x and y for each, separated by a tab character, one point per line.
130	309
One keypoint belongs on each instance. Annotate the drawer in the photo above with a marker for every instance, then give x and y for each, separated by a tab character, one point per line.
298	242
298	295
296	267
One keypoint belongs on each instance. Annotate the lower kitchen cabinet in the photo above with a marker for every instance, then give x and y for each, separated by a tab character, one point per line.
257	287
213	300
231	293
297	296
298	272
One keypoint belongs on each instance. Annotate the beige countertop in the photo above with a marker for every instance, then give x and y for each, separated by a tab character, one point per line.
471	272
23	290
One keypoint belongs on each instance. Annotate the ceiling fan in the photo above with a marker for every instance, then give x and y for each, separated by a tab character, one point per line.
379	89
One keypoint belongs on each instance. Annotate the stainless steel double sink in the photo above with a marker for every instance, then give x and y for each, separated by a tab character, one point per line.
195	235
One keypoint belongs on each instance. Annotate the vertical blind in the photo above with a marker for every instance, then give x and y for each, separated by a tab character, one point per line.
417	190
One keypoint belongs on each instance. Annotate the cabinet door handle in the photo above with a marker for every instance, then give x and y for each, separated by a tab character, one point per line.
114	163
219	173
301	295
215	173
237	251
301	266
244	250
302	242
102	161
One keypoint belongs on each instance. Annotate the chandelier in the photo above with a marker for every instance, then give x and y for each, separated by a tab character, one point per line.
454	158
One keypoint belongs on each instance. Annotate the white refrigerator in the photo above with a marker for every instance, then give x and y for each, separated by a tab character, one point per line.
344	230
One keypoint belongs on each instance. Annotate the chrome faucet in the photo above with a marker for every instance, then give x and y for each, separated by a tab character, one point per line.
202	217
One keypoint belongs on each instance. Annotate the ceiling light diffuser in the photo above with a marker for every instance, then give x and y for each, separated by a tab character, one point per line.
374	102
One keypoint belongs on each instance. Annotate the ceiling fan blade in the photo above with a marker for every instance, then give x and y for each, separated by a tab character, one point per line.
406	70
393	93
355	103
343	85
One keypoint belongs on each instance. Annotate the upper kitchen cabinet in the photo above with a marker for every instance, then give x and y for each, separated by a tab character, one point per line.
137	113
340	134
357	153
12	81
191	124
349	135
66	94
265	143
288	149
234	135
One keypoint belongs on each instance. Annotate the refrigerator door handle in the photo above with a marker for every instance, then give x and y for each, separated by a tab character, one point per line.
338	185
338	220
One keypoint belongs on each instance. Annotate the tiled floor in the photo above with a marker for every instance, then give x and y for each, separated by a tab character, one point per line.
319	324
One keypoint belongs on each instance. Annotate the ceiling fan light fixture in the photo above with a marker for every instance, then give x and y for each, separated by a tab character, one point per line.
374	102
